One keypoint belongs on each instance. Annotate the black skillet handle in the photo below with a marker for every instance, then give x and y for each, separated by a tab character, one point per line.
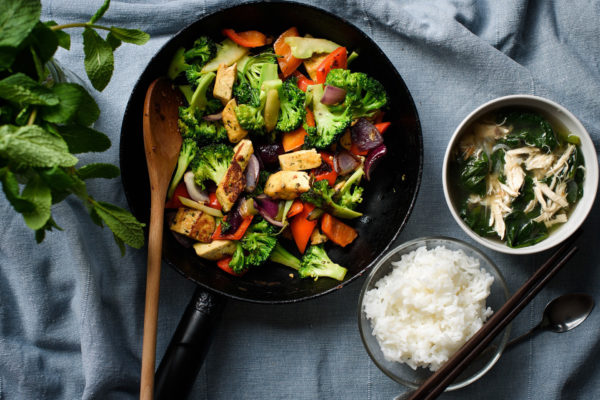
183	359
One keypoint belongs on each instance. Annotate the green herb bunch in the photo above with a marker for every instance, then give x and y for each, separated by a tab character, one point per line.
43	124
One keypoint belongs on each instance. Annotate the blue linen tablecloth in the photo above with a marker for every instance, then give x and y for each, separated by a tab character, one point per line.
71	309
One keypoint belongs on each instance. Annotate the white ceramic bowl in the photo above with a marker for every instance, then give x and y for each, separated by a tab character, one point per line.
564	117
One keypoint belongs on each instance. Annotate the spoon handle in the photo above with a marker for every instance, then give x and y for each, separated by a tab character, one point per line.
152	292
533	331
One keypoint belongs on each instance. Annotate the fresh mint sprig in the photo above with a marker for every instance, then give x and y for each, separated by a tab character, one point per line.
43	124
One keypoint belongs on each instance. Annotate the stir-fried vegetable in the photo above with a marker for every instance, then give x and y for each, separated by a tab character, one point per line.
278	185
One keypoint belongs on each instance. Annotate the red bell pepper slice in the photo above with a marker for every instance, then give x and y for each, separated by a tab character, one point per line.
287	62
213	202
237	235
246	39
330	176
174	202
336	59
224	265
302	228
302	81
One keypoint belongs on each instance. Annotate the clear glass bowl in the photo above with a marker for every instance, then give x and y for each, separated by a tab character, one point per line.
404	374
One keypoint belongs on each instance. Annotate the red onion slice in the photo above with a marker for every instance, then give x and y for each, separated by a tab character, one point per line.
269	153
234	219
373	159
333	95
268	209
213	117
252	171
344	162
365	135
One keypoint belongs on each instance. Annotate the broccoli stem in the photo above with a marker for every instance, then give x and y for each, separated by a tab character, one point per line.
281	256
199	100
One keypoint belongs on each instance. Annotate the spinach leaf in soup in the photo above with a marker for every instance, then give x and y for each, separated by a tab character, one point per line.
477	216
497	160
529	129
575	176
525	195
473	172
522	230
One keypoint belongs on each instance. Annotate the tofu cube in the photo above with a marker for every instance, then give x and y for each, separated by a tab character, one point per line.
224	82
194	224
235	132
215	250
233	182
287	185
299	160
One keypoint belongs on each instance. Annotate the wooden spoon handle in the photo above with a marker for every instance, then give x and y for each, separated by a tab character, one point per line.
152	292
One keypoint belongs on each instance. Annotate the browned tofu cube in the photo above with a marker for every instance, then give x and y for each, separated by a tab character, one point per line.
287	185
299	160
235	132
224	82
194	224
234	180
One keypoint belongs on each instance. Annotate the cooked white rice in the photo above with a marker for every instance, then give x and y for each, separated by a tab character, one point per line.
428	306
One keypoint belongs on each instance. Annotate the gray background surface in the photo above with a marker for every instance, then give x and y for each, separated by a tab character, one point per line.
71	309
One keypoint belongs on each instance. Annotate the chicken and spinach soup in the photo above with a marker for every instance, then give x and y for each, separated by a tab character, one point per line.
520	176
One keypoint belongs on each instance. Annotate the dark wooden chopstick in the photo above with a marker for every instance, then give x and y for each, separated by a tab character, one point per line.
437	382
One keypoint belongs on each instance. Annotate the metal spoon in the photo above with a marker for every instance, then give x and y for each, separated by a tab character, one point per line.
561	315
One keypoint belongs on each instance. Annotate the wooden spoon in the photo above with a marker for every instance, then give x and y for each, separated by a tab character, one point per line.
162	143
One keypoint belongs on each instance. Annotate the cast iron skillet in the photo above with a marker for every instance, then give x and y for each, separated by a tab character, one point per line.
387	203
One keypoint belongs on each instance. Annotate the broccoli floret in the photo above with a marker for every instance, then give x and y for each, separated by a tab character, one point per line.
350	194
244	93
255	71
292	109
330	123
188	151
281	256
364	95
238	261
200	99
178	64
258	243
316	264
321	195
203	51
211	163
251	118
191	125
255	247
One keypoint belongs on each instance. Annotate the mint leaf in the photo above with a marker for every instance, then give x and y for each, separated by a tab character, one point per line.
134	36
76	105
21	89
17	19
38	193
98	170
44	42
40	234
11	190
64	39
113	41
71	96
7	56
121	222
83	140
63	183
100	12
33	146
120	243
99	61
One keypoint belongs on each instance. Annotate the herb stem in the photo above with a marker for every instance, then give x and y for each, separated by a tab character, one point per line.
78	25
32	117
